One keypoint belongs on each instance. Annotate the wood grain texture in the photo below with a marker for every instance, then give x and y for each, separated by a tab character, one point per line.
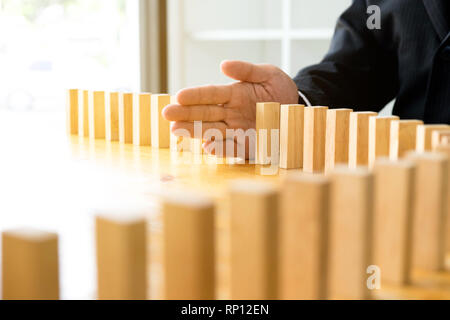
160	126
430	210
112	116
393	219
126	118
303	242
97	114
424	135
291	136
403	137
337	137
30	268
379	137
142	119
188	231
359	138
267	123
314	139
83	113
72	111
351	216
121	247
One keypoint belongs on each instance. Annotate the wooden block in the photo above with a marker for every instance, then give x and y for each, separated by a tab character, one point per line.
437	136
97	109
430	211
445	150
379	137
83	113
424	133
126	118
351	215
160	126
72	111
393	219
188	231
267	122
403	137
314	139
30	265
303	231
112	116
359	138
121	258
142	131
337	137
253	210
179	144
291	136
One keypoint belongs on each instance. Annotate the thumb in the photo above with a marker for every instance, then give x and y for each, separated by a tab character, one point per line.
246	71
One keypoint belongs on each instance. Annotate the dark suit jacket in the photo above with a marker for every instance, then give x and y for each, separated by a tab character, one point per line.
407	59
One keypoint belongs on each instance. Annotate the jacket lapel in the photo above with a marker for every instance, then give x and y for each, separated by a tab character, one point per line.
436	11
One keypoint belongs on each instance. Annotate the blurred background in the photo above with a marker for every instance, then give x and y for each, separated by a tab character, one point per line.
47	46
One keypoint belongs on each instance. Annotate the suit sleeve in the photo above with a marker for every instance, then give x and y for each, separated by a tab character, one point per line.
359	71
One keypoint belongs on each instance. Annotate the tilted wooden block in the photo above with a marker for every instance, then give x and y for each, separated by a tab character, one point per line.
303	231
379	137
30	265
291	136
351	215
188	231
314	139
160	126
403	137
126	118
359	138
337	137
142	122
424	134
393	219
72	111
430	210
97	114
267	126
437	136
121	257
253	209
83	113
112	116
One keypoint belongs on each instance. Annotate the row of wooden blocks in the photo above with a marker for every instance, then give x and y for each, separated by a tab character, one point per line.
313	238
318	138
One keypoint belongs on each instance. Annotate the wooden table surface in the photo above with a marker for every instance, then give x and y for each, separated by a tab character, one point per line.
57	183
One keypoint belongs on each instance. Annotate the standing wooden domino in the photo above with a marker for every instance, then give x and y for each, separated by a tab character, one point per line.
351	214
430	210
72	111
403	137
303	231
379	137
30	265
291	136
437	136
179	144
314	139
121	258
83	113
445	150
359	138
393	219
142	119
160	126
97	114
267	126
112	116
337	137
424	135
253	209
126	118
188	231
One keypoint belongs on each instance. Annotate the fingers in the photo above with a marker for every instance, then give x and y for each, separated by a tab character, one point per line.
205	95
246	71
211	113
209	129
